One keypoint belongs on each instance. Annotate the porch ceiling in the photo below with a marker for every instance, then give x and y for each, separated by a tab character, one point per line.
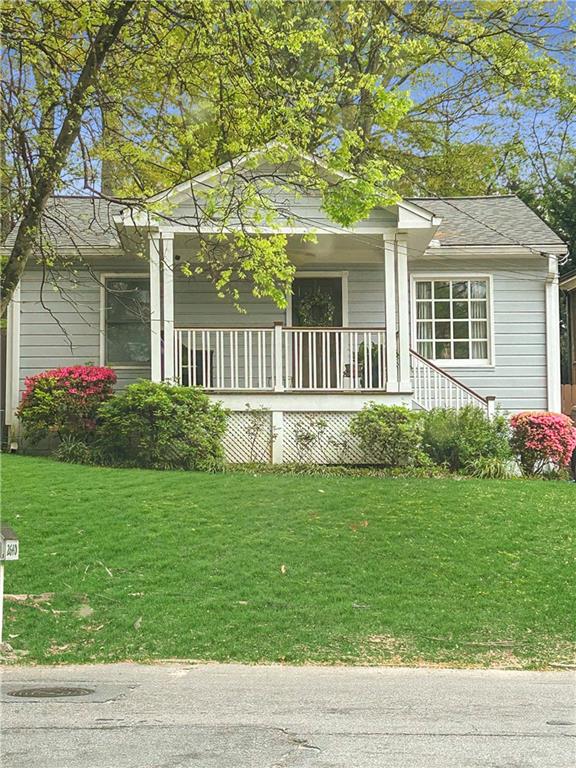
328	248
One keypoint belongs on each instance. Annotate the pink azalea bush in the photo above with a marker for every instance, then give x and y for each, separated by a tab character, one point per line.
540	439
64	401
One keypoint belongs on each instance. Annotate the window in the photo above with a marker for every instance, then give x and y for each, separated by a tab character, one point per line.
127	321
452	319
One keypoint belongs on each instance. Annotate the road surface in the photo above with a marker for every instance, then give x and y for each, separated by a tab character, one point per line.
232	716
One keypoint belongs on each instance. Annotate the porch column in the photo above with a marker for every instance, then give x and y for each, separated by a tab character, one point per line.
554	386
405	384
155	308
390	312
12	372
168	304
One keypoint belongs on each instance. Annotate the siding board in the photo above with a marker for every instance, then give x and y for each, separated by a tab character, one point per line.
518	377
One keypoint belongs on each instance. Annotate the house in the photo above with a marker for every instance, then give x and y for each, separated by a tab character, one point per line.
568	284
428	302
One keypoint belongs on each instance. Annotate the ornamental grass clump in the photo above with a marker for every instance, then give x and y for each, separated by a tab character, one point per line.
64	401
542	441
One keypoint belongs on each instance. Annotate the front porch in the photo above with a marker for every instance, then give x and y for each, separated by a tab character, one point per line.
293	379
315	361
292	391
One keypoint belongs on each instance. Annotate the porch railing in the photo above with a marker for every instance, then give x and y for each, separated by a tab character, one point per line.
281	358
434	388
308	359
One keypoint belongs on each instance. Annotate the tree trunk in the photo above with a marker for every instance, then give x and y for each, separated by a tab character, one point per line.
46	175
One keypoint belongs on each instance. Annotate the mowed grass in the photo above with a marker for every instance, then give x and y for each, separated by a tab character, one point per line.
156	565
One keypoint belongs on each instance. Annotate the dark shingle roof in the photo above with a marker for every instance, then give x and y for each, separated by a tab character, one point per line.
78	222
87	222
493	220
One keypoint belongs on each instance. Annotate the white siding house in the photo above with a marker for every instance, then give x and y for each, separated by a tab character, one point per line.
428	302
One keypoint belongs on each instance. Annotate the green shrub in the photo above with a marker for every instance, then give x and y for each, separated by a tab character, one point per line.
160	426
389	435
463	439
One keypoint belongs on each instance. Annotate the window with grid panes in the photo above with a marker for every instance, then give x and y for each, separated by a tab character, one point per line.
127	315
452	319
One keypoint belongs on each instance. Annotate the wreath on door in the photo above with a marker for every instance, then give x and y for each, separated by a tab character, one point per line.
316	308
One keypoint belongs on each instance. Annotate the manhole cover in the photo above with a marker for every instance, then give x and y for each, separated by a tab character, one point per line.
49	692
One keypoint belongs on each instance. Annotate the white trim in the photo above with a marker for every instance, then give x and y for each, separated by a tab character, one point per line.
553	368
155	307
308	401
390	309
343	274
403	313
495	251
103	276
482	364
319	227
277	437
167	244
12	387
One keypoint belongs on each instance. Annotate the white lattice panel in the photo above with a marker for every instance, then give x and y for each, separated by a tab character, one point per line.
248	437
320	438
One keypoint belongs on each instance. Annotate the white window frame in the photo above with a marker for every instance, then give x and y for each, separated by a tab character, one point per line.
342	274
455	276
103	277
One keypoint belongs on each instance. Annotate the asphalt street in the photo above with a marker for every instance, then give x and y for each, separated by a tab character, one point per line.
232	716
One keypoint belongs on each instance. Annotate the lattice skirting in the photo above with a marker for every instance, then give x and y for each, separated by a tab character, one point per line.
249	437
295	437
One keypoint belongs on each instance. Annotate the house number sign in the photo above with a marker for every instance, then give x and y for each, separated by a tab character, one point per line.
9	550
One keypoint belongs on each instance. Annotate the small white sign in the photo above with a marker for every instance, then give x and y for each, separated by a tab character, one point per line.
9	550
9	544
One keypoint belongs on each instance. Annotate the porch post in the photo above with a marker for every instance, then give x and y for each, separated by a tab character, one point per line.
168	303
552	300
403	313
155	309
390	312
12	382
278	376
277	437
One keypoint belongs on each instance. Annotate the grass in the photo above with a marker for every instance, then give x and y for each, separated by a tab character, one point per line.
150	565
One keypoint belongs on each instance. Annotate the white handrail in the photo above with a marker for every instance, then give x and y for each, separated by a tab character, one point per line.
434	388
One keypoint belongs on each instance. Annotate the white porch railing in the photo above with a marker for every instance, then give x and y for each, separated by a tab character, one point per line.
434	388
334	359
308	359
280	358
225	358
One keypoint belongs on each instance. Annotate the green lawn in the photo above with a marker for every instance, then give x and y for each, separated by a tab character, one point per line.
151	565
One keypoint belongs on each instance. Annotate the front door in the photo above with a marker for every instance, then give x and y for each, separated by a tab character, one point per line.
317	304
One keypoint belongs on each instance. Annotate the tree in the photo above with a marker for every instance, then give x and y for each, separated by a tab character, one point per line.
44	166
386	93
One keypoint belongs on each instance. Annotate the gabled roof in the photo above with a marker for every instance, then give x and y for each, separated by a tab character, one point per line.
75	222
489	220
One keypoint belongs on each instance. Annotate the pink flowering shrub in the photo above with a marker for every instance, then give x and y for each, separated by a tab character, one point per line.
64	401
540	439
